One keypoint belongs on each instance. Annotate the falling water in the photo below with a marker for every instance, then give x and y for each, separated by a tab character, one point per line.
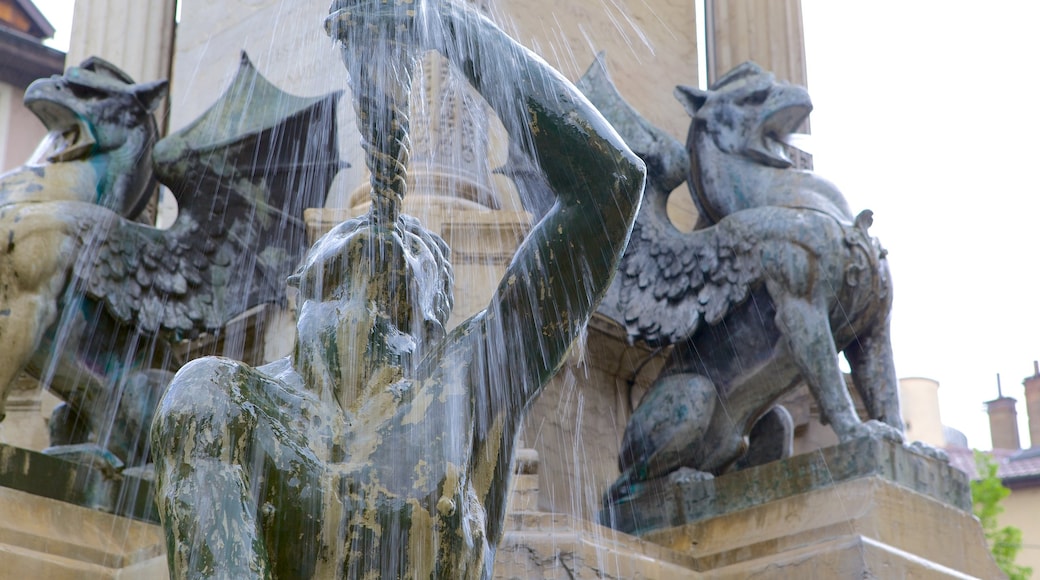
426	145
453	188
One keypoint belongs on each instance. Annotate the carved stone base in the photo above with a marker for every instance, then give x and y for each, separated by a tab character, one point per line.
41	537
47	538
870	525
545	545
863	509
551	545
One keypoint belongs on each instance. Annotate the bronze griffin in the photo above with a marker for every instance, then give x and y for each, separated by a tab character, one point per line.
91	300
778	278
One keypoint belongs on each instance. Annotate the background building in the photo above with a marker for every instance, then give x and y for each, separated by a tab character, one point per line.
23	59
1018	469
576	426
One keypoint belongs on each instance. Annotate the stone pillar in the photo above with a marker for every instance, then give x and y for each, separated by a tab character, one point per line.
768	32
1003	423
452	132
133	35
649	47
919	398
1032	385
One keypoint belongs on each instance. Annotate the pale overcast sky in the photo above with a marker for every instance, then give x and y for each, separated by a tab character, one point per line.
59	14
925	113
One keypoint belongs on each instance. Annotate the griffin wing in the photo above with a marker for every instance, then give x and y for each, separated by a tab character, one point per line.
666	158
242	174
668	280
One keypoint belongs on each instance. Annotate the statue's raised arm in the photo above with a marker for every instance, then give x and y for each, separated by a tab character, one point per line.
381	447
566	263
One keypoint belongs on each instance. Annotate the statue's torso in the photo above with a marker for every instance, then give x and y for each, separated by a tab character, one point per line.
396	495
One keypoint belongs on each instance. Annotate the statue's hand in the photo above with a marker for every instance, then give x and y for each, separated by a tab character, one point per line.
409	25
360	23
381	45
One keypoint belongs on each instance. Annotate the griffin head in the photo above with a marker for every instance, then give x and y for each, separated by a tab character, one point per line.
748	113
96	111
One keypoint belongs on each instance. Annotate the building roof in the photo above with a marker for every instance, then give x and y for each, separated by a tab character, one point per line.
24	59
34	24
23	56
1016	468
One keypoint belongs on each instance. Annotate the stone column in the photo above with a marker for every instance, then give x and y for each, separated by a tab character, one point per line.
649	47
768	32
451	136
136	36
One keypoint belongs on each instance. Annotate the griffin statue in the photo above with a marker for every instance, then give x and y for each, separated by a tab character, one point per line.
778	277
91	301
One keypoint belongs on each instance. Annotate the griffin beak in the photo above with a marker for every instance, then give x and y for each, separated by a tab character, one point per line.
70	136
791	109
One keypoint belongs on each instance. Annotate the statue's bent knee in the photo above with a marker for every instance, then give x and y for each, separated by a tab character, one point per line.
202	392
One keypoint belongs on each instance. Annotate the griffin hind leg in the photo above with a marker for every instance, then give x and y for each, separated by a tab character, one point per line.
665	431
875	379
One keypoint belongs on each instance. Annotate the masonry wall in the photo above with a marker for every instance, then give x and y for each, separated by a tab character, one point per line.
1020	510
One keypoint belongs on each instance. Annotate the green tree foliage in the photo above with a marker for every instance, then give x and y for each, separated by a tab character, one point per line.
1004	542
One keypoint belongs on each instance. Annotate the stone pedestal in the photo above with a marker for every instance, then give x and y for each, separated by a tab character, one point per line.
539	544
58	521
28	407
865	528
577	423
57	537
863	509
46	538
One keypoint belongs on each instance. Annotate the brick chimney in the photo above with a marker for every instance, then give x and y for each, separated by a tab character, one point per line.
1003	421
1032	385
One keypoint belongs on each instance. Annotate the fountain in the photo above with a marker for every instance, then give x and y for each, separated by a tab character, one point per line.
96	300
383	444
386	443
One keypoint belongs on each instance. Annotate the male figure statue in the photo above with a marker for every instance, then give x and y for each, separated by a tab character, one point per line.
381	447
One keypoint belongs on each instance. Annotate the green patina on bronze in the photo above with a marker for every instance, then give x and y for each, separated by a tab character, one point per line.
97	299
778	278
665	504
381	448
